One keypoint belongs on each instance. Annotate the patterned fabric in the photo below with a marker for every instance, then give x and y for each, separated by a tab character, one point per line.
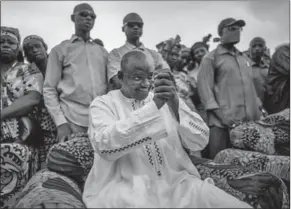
260	190
18	164
68	159
268	136
15	83
248	185
49	130
47	189
185	88
73	158
257	162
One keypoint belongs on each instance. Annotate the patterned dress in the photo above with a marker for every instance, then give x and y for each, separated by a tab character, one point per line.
184	87
18	161
262	145
49	130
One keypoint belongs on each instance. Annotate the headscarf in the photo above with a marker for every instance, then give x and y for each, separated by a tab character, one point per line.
12	32
35	37
279	78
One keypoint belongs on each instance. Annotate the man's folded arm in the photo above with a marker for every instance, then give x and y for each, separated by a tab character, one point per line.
113	138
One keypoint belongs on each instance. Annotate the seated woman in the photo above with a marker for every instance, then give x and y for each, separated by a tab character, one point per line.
35	51
138	138
21	87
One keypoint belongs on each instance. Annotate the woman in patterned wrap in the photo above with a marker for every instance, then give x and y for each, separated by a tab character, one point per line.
35	51
21	88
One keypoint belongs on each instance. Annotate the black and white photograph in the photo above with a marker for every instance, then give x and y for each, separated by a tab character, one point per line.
145	104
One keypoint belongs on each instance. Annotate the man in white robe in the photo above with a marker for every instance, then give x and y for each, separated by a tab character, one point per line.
138	138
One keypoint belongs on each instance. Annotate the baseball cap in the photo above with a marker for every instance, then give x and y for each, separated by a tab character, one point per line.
229	22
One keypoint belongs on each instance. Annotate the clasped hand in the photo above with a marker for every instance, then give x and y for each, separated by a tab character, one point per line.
165	90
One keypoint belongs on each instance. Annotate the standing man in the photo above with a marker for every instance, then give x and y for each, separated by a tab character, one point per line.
133	29
260	68
75	75
226	88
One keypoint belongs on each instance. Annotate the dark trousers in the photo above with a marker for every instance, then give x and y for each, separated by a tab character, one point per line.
218	140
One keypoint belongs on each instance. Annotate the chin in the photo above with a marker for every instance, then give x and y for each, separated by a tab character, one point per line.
141	96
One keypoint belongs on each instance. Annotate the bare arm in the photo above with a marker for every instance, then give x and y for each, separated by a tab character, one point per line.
21	106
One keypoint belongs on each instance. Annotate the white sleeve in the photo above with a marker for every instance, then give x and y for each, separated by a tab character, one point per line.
193	131
113	138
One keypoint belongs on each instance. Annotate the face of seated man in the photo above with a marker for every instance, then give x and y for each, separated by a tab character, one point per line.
136	75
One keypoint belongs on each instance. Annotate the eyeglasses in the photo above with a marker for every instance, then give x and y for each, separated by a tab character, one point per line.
86	14
234	28
132	24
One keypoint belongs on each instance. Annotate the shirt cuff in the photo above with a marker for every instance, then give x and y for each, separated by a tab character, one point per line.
60	119
149	112
211	104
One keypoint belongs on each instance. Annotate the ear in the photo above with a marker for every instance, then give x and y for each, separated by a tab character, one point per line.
73	18
120	75
122	28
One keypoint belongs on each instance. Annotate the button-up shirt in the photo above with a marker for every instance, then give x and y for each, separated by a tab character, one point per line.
116	55
75	75
260	77
225	81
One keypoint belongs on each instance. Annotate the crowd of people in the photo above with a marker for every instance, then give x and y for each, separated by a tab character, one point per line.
157	121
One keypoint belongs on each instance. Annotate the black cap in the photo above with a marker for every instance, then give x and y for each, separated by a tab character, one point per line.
132	17
257	40
229	22
81	7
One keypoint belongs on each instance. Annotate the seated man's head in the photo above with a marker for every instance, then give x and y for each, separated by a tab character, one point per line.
132	26
84	17
10	45
136	75
35	49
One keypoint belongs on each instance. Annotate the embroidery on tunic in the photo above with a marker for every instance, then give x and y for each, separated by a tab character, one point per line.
126	147
151	149
203	131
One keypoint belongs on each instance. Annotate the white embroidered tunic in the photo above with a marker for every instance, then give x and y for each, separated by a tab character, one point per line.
139	158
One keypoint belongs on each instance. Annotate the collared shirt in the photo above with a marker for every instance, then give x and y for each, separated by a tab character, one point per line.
225	81
75	75
260	78
116	55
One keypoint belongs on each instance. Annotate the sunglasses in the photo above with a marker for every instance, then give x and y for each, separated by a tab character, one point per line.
86	14
234	28
133	24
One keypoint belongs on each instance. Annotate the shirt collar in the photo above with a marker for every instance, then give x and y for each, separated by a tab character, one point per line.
131	46
78	38
222	50
262	64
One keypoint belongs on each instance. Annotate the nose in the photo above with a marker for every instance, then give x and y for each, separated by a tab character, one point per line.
146	83
135	27
34	49
89	18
